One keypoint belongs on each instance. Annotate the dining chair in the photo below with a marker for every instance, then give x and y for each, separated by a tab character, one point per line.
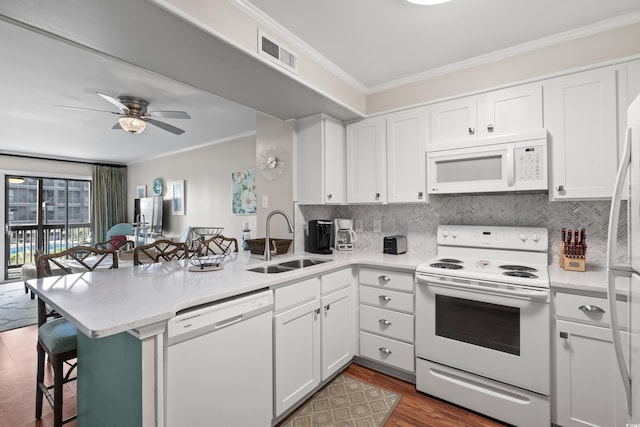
160	250
56	335
219	244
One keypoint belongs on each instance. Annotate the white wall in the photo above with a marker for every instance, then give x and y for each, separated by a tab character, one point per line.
207	180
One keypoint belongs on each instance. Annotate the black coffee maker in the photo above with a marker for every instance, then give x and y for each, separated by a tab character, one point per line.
318	239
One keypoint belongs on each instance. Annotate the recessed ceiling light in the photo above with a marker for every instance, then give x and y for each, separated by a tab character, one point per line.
427	2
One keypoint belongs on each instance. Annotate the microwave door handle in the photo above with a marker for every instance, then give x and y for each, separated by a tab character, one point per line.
510	166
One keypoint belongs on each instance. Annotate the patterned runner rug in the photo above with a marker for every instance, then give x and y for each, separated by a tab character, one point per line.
17	309
346	401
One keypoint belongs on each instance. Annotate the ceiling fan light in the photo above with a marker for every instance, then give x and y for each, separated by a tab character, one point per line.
132	124
427	2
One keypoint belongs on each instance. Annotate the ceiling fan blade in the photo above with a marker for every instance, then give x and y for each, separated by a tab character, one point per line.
166	126
169	114
114	101
85	109
117	126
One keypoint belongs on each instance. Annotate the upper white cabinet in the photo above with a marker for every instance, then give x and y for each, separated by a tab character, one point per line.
500	112
406	147
321	161
386	158
367	161
582	122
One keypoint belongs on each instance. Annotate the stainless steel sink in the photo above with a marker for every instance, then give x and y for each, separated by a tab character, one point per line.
283	267
301	263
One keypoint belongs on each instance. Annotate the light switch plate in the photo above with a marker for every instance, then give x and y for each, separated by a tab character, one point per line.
377	226
265	201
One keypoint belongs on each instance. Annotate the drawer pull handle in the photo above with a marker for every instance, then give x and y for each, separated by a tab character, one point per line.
384	298
591	309
385	350
384	278
384	322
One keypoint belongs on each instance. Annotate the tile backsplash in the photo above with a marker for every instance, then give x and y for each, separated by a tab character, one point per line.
419	221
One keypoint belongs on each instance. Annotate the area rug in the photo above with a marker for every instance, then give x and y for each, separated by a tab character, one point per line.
17	309
346	401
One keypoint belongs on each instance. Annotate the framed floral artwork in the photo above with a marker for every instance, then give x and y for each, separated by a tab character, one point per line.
141	191
177	202
244	192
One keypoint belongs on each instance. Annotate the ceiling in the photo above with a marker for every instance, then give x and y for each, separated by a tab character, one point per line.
373	42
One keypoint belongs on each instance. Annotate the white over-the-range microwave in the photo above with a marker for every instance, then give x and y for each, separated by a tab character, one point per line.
516	162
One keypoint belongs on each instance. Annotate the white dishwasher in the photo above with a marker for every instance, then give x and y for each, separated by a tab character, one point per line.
218	364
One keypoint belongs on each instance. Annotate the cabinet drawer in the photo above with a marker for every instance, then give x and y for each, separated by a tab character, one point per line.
386	322
385	298
385	350
398	280
576	307
297	293
336	280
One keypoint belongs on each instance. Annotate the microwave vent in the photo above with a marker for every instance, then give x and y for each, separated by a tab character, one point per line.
277	53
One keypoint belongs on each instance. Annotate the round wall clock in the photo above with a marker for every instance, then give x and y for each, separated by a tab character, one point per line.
272	162
157	187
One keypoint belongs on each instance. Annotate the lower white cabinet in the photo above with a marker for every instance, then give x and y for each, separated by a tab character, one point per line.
313	333
589	391
386	315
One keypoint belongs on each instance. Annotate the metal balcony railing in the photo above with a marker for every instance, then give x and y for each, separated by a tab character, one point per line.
57	237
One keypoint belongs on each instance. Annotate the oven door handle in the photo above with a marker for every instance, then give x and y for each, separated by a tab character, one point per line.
541	294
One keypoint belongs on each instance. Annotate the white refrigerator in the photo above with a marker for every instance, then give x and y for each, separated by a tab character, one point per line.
627	350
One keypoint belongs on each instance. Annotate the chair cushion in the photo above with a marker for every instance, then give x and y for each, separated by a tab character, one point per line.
116	242
58	336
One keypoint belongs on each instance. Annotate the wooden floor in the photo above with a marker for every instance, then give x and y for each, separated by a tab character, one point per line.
17	392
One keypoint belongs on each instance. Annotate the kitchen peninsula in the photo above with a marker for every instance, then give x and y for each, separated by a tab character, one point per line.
122	315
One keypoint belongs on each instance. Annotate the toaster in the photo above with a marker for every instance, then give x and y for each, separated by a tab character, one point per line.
395	244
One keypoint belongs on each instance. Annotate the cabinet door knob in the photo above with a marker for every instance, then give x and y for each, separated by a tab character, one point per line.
559	187
329	196
384	298
490	127
384	322
384	350
564	335
384	278
472	131
591	309
420	193
377	196
327	307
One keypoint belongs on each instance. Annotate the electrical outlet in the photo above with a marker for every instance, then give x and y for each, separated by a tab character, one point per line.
359	226
377	226
265	202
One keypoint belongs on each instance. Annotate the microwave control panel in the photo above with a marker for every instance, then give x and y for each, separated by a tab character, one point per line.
529	162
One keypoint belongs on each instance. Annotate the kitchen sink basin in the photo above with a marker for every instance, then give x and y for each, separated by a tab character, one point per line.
283	267
301	263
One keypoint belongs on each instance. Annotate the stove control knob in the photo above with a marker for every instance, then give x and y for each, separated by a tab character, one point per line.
454	234
535	237
445	233
523	237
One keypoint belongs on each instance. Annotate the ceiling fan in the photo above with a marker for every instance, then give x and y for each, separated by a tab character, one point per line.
134	115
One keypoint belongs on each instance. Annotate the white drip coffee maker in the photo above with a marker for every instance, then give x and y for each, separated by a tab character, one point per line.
345	236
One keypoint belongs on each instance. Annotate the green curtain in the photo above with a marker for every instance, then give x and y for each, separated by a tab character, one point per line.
109	199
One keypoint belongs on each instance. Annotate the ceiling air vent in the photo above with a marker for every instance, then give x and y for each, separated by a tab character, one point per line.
277	53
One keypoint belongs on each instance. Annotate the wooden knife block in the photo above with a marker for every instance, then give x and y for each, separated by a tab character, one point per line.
573	263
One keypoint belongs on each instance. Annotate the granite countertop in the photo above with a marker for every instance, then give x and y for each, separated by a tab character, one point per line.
108	302
592	280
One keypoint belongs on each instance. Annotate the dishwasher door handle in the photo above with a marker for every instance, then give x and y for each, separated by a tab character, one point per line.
228	322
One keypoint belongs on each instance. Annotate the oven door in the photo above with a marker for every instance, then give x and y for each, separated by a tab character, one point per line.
497	332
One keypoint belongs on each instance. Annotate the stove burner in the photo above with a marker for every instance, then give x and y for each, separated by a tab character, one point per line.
446	265
518	268
523	274
450	260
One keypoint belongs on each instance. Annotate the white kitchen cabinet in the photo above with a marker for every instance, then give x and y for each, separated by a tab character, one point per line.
387	317
510	110
582	123
321	161
296	345
314	334
367	161
589	391
386	158
406	156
